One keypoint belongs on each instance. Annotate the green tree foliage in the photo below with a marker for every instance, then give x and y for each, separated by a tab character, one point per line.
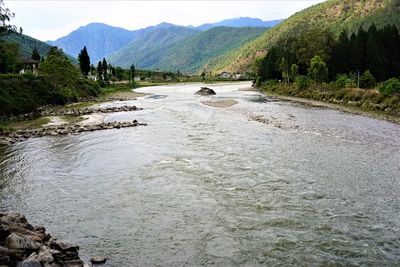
341	81
5	16
9	57
100	70
302	82
390	87
35	54
84	62
105	68
318	70
59	72
376	50
132	72
294	71
367	80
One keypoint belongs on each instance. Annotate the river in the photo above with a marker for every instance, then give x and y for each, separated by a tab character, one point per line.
263	182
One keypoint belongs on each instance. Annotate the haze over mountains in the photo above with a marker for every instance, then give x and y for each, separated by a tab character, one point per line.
145	47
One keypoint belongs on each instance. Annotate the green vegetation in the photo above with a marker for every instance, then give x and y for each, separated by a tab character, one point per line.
332	15
84	62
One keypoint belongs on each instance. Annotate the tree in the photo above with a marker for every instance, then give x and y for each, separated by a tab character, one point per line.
59	72
35	54
284	68
5	16
318	70
105	68
367	80
84	62
100	70
132	73
294	71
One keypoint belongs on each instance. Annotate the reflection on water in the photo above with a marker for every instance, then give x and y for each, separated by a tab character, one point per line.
210	186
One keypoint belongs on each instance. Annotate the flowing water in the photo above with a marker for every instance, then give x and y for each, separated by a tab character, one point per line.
263	182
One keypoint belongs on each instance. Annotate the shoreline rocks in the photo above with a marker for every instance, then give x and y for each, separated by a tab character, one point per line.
21	135
85	111
22	244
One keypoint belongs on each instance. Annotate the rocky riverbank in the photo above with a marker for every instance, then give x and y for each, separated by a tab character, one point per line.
22	135
86	111
22	244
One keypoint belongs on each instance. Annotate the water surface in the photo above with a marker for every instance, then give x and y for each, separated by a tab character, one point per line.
264	182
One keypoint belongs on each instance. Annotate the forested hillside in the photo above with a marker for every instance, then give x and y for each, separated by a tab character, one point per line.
332	15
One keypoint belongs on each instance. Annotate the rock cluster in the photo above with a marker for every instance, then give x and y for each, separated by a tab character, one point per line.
22	244
85	111
205	91
21	135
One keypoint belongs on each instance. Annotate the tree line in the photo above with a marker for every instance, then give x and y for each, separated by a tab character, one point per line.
368	56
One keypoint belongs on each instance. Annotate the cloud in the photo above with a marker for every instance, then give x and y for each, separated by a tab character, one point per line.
49	20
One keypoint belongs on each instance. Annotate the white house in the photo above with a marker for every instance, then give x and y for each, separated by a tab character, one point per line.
225	74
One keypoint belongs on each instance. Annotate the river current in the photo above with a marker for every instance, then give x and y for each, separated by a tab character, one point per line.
264	182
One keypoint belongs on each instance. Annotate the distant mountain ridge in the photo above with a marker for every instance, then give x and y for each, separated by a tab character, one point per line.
102	40
149	48
240	22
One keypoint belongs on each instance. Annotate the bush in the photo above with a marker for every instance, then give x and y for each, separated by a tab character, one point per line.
341	81
302	82
367	80
390	87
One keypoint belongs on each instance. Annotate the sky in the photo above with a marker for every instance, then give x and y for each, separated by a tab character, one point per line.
52	19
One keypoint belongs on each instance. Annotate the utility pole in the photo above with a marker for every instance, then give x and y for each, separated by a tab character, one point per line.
358	79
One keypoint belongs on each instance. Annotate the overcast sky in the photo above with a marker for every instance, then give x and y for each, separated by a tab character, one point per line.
51	19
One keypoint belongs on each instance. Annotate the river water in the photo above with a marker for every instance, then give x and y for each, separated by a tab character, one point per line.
263	182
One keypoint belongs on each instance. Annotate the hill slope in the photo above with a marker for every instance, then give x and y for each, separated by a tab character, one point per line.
332	14
100	40
149	48
27	44
191	54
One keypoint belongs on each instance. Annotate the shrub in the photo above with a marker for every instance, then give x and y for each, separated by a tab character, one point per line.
390	87
302	82
341	81
367	80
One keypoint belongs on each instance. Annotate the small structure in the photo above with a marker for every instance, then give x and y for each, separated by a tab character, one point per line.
225	74
238	76
29	65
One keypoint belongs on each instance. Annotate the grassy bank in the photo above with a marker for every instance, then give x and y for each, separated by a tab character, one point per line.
368	102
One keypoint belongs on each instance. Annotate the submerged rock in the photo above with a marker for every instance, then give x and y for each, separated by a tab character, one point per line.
205	91
98	259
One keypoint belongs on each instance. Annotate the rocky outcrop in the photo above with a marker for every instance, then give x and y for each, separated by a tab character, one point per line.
205	91
22	244
21	135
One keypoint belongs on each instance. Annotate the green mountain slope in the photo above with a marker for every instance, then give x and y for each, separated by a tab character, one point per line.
191	54
27	44
148	49
334	15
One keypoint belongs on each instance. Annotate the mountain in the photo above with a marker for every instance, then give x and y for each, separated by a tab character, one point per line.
27	44
333	15
100	40
191	54
240	22
149	48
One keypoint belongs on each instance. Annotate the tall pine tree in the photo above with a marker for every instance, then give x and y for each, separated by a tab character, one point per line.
84	61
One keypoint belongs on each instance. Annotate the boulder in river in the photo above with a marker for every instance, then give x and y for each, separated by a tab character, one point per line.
205	91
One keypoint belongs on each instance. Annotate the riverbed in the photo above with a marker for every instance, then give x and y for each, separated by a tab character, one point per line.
260	182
